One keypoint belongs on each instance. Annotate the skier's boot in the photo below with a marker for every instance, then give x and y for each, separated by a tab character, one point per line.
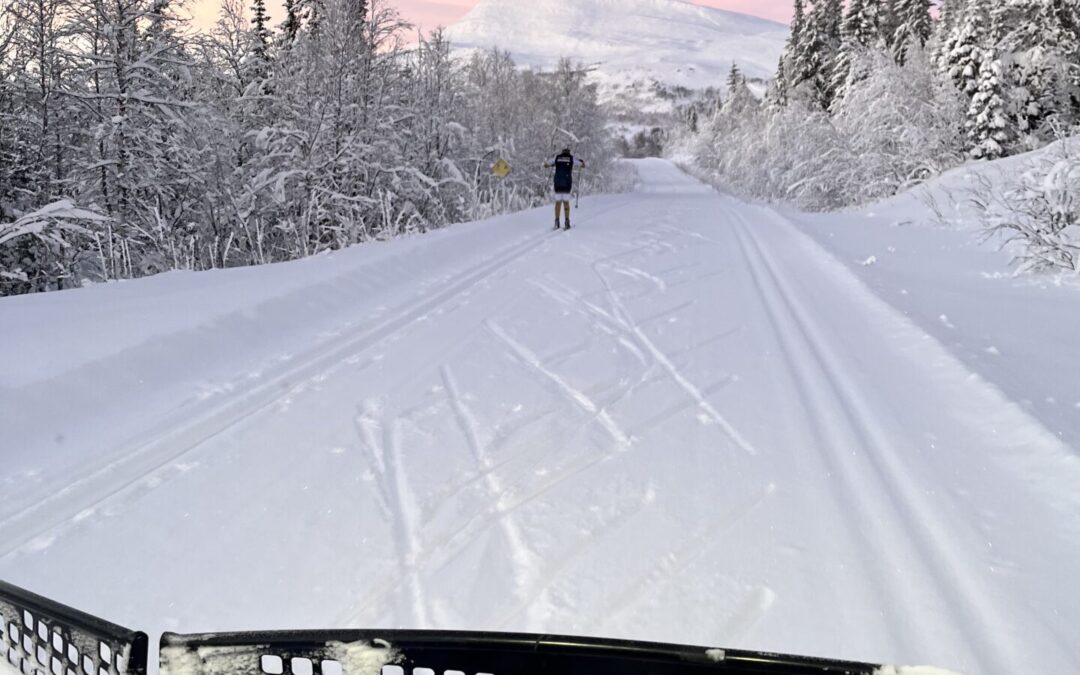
566	225
556	225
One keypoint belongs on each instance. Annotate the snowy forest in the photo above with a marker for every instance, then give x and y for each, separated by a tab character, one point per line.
131	143
874	96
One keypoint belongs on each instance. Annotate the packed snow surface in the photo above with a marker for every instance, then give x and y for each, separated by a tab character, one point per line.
685	420
670	41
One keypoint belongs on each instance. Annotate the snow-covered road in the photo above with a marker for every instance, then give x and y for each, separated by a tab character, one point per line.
682	421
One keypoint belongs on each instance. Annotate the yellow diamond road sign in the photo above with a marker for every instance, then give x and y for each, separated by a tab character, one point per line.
501	168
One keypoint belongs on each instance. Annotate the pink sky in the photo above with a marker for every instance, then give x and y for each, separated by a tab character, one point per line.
431	13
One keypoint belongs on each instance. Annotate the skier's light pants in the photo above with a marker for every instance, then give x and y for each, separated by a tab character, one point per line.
562	201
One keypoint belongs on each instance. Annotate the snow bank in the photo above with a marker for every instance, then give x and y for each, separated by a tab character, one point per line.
946	199
932	259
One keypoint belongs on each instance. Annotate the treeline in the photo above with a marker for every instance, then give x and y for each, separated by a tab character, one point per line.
878	95
131	144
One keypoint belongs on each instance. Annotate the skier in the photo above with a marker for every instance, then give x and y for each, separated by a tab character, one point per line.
564	164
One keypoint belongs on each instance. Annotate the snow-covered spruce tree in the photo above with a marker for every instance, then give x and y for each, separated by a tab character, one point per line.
861	23
859	33
791	68
1037	45
988	126
776	92
888	22
734	77
740	113
260	33
961	52
913	27
291	25
949	12
739	98
829	15
812	53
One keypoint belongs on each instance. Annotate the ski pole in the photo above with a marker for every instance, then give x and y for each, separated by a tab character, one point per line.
577	191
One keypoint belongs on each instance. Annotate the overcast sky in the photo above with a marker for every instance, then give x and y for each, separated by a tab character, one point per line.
431	13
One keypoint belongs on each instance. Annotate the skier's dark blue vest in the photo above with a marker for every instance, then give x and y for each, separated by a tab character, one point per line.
564	173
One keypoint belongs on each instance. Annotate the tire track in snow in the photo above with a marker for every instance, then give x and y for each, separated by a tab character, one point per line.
830	389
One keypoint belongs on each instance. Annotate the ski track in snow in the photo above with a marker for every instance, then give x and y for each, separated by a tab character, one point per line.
682	420
522	555
825	390
191	433
574	396
384	444
662	359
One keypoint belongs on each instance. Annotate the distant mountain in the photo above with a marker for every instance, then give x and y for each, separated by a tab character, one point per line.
632	43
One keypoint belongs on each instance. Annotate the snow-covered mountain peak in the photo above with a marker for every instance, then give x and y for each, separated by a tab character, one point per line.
673	42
